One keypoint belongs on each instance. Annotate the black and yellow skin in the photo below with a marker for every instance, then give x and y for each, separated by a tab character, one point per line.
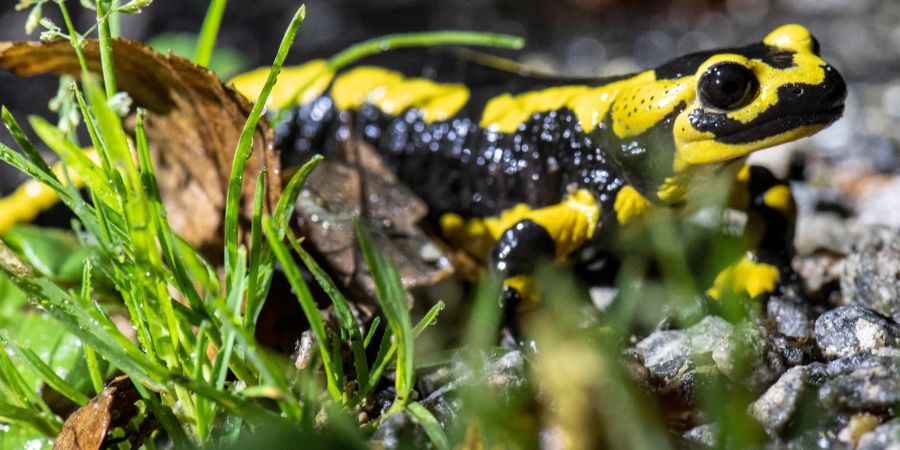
517	167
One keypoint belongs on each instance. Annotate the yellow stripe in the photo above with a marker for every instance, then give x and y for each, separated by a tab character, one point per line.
570	223
314	76
33	197
393	93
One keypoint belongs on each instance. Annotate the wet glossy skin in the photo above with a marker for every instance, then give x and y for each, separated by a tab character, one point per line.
516	166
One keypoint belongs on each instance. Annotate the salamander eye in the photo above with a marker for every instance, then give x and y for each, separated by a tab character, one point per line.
728	86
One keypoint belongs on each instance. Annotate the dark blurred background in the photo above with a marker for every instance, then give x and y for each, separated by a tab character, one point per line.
582	37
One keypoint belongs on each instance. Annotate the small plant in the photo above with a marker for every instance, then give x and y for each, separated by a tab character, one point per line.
196	364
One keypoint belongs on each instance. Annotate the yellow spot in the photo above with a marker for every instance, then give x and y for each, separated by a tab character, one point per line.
780	199
472	237
640	107
630	204
745	277
569	223
295	85
525	286
505	113
392	93
792	36
743	175
32	197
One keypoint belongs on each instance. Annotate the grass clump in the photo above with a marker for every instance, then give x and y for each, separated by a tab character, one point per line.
196	364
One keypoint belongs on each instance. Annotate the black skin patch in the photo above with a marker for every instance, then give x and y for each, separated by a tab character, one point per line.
456	166
798	105
689	64
520	248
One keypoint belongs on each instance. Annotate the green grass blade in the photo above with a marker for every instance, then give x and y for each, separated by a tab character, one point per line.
97	332
342	311
206	43
45	372
281	218
433	38
24	143
109	127
392	298
15	414
15	383
257	251
285	207
308	304
75	158
373	328
166	236
387	348
242	152
432	427
89	355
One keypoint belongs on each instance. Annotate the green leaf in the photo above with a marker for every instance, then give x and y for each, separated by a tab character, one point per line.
45	372
49	251
23	142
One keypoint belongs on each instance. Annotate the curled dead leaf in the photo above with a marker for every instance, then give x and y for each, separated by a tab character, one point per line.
193	127
87	428
357	183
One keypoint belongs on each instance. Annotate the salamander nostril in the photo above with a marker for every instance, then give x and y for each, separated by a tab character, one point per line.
798	91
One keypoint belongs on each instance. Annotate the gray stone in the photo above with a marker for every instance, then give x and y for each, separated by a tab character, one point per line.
742	353
871	386
777	406
790	316
881	206
885	437
871	273
821	231
664	352
704	435
848	330
712	335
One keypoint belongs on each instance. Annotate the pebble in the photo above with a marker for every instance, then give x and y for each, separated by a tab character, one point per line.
871	385
664	352
885	437
847	330
790	316
881	207
871	273
704	435
775	408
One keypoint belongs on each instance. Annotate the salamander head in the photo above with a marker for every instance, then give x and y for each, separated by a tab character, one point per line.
702	112
755	97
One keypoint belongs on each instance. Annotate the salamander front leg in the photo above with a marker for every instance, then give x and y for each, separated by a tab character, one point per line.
514	257
771	216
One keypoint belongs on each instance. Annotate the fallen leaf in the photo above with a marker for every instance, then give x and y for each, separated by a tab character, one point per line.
86	428
357	183
193	127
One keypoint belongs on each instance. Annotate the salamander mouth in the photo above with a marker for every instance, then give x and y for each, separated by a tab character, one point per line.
779	125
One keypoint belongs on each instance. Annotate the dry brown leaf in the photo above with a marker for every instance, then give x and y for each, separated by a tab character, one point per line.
357	183
87	427
193	127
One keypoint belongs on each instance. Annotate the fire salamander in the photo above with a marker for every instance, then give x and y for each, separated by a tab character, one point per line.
517	166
